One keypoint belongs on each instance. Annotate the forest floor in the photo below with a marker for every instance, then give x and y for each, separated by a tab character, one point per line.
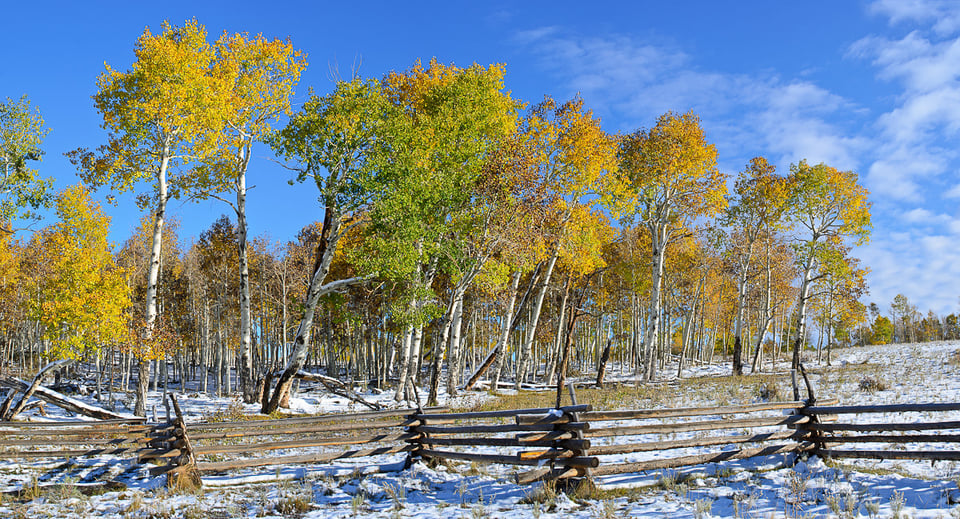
775	486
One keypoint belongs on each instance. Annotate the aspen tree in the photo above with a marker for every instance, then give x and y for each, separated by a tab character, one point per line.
159	115
829	207
667	179
758	209
337	142
85	293
22	189
257	77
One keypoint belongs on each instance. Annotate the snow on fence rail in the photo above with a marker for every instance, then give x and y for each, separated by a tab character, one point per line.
547	443
642	436
911	446
252	443
549	438
27	440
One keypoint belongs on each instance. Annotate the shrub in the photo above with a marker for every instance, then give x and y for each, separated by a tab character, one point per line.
871	384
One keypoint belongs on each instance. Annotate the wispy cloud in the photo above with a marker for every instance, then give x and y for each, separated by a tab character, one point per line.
904	148
953	192
924	216
916	265
943	14
915	135
795	120
746	115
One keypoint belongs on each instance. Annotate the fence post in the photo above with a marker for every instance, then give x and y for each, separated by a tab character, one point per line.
796	388
578	434
814	434
184	475
811	396
414	455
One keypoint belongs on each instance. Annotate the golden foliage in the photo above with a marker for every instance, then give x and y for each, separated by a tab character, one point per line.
83	293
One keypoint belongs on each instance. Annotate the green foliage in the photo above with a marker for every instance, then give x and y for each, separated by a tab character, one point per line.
341	141
881	330
21	188
448	122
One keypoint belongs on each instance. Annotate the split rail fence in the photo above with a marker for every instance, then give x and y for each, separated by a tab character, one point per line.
921	437
117	438
545	443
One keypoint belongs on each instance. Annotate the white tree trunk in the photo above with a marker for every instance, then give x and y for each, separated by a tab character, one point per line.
504	338
455	362
153	277
738	319
329	237
526	349
406	350
656	286
554	355
246	383
413	370
802	312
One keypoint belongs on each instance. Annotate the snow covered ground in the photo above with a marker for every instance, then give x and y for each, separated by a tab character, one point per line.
775	486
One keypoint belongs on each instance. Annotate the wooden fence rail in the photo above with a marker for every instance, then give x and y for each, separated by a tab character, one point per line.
695	427
28	440
545	437
545	443
887	433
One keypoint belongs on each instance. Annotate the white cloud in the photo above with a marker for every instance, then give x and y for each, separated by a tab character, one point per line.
915	135
901	167
794	124
745	115
943	13
903	149
925	217
953	192
592	65
924	268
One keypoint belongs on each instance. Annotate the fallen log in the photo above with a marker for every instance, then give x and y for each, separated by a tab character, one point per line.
7	402
337	387
64	402
37	380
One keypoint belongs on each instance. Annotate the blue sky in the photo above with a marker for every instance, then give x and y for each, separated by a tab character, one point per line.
869	86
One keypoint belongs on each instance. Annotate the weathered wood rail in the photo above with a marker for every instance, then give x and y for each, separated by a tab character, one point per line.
214	446
28	440
548	438
887	433
765	427
544	443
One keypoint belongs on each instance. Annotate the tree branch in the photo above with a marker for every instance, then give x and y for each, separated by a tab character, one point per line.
342	284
